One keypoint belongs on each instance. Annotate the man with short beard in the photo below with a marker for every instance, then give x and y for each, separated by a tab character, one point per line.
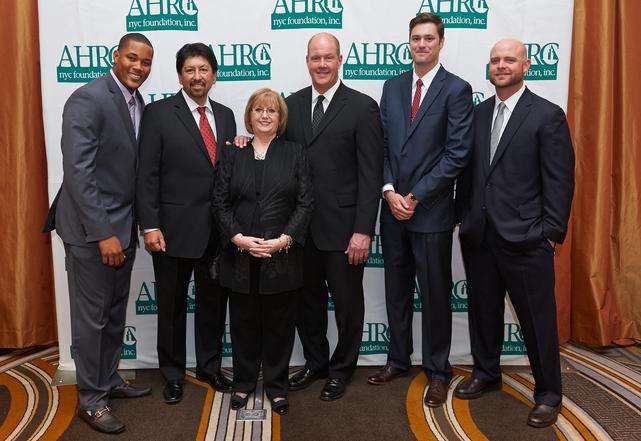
514	201
178	151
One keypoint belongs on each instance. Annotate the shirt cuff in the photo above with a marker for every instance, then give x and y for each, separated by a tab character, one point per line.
387	187
149	230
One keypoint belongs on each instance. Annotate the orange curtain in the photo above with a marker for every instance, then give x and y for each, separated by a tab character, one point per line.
27	308
603	262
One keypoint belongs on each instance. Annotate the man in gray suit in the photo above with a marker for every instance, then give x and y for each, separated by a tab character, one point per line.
93	213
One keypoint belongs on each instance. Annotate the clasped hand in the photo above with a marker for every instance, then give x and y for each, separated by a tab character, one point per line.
259	247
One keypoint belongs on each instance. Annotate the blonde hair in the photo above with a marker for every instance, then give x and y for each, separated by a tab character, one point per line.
266	95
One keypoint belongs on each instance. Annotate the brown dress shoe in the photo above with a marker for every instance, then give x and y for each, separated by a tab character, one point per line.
473	388
386	374
543	416
436	393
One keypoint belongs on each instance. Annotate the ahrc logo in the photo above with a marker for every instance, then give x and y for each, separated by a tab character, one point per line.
376	339
162	15
458	13
243	61
128	350
81	64
376	61
301	14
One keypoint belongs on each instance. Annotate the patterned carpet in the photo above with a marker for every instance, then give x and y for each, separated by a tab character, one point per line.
602	401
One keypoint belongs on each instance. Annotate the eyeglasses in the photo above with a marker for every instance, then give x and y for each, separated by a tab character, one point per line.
270	111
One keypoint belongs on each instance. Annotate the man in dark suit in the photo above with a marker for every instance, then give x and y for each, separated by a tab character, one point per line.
514	202
341	130
178	145
93	213
427	120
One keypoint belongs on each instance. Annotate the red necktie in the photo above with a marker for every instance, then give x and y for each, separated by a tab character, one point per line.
208	135
417	99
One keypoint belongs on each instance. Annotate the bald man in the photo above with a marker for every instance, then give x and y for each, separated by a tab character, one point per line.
514	202
341	130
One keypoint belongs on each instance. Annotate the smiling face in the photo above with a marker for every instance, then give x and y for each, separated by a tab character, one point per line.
508	66
196	78
425	47
264	118
323	61
132	64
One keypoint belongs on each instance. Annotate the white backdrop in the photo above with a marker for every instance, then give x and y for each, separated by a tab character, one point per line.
262	43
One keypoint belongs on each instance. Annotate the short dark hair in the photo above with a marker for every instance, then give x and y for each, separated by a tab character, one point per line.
134	36
195	50
427	17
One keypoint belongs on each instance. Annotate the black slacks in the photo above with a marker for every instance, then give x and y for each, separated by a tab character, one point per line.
323	270
428	256
262	332
98	307
527	274
172	282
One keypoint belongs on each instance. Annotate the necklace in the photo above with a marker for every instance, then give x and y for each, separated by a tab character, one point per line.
260	156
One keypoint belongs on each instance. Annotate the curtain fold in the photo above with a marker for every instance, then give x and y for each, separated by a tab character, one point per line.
27	308
604	111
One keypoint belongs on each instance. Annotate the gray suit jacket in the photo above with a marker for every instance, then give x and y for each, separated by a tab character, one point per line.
99	157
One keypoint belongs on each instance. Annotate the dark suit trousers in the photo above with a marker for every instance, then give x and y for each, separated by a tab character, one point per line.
98	302
262	332
528	276
172	281
323	270
428	256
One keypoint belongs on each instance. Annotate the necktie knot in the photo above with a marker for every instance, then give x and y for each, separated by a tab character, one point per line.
419	83
202	110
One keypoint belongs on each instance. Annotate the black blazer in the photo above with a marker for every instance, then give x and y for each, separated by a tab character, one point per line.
175	175
526	192
346	162
284	203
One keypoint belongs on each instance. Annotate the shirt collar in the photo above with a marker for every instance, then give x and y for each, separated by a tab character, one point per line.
125	92
510	103
193	105
428	77
328	95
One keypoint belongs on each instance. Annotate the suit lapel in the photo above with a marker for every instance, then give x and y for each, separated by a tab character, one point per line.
338	102
221	135
432	93
485	121
187	119
521	110
122	107
405	86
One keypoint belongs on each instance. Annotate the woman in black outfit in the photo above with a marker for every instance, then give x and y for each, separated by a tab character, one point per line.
262	204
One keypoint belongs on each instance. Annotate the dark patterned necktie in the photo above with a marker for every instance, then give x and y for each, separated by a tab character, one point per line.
319	111
208	135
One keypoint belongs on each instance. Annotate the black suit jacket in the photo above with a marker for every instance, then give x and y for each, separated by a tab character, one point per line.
526	192
283	200
346	162
175	175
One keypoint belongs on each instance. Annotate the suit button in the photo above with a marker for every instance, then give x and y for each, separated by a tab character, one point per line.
483	207
488	186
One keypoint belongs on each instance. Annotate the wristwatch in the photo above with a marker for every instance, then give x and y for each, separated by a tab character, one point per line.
413	198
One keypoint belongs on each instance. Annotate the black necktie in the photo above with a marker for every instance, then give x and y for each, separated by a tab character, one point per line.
319	111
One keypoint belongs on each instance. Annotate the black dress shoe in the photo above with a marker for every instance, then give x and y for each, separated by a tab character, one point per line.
386	374
173	392
281	407
303	378
221	383
218	381
543	416
128	390
238	402
102	420
473	388
334	389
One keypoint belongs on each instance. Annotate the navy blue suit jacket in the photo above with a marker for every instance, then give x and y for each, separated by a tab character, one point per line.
426	156
526	192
